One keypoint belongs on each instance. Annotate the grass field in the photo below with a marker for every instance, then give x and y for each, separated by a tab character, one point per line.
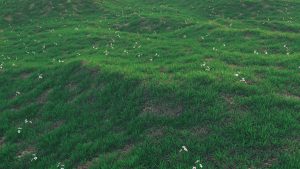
149	84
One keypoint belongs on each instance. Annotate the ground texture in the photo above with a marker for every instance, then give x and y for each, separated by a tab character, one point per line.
147	84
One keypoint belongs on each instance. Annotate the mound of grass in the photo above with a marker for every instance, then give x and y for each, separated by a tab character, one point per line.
156	84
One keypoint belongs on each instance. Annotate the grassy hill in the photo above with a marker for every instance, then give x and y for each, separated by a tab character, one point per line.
119	84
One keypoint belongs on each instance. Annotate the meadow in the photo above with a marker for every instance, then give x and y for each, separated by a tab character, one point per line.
149	84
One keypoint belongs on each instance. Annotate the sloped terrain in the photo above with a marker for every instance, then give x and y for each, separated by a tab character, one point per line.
149	84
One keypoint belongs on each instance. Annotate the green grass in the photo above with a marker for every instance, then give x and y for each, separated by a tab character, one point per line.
126	84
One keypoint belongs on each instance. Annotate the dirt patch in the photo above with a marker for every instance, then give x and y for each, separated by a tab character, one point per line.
200	131
127	149
233	66
25	75
26	151
291	96
88	164
8	18
155	132
52	126
44	96
15	108
162	109
269	163
229	99
72	87
57	124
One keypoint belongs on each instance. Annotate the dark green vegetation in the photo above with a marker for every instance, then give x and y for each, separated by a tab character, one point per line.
116	84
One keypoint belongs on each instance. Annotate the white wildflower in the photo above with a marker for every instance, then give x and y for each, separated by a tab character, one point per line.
183	148
19	130
243	80
27	121
111	45
61	166
60	61
106	52
34	157
207	68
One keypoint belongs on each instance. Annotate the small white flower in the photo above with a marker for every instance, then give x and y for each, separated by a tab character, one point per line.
61	166
266	52
184	148
106	52
243	80
111	45
200	165
27	121
194	167
40	76
19	130
34	157
207	68
237	75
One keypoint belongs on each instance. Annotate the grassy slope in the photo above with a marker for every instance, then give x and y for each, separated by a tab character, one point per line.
132	88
